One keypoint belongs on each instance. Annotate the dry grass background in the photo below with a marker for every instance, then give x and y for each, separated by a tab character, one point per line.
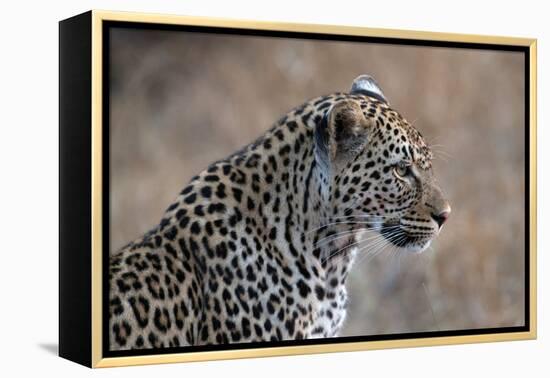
180	101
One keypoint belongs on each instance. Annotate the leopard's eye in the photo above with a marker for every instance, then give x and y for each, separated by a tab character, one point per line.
402	170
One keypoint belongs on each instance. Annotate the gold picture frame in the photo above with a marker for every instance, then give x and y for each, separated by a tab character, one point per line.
81	320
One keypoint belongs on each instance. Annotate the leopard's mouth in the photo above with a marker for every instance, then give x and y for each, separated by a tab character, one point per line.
400	238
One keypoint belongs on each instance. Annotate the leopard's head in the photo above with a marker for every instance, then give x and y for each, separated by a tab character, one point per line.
379	170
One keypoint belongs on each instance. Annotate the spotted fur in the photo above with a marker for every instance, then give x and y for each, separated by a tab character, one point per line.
258	246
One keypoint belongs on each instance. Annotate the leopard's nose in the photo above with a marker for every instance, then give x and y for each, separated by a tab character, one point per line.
442	216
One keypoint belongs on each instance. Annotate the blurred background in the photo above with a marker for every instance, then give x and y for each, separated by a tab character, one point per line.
180	101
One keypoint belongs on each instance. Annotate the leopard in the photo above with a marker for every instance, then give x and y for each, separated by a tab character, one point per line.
258	247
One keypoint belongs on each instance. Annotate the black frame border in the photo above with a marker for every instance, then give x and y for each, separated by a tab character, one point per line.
75	188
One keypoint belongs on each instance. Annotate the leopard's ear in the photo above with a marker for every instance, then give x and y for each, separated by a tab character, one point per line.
343	133
365	84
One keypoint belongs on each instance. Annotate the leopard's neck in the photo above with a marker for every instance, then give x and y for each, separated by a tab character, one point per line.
299	197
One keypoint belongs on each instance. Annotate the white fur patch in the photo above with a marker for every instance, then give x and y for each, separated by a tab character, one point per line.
367	83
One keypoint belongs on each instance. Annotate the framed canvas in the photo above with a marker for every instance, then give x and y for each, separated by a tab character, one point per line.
235	189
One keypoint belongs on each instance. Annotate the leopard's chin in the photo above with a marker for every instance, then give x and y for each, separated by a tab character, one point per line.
418	247
400	239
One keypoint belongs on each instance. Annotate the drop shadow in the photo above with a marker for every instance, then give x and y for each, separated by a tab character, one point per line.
51	348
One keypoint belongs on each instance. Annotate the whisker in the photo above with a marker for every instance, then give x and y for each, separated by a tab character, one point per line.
363	216
339	235
332	254
443	159
442	153
336	223
351	216
372	253
387	241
